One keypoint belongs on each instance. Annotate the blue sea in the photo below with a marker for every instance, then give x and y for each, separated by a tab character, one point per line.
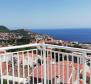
82	35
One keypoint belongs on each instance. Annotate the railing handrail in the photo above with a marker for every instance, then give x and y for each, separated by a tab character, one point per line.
47	45
20	46
68	48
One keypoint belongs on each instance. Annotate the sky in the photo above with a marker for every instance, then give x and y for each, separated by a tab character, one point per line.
45	13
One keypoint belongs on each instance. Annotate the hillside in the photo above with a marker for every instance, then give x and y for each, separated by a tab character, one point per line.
24	32
4	29
21	31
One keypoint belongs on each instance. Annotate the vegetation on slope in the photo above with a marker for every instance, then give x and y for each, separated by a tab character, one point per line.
4	29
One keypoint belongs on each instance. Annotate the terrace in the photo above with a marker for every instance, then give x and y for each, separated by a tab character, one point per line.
45	64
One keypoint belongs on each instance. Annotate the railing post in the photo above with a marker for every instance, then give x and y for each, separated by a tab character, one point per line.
1	79
84	68
90	71
44	62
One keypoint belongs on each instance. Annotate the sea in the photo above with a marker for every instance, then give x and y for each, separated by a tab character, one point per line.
81	35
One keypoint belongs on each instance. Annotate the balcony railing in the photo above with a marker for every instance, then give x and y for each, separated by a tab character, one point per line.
45	64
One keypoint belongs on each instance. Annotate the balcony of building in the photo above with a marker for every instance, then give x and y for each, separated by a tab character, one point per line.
44	64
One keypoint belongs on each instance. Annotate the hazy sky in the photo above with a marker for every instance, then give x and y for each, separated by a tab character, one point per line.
45	13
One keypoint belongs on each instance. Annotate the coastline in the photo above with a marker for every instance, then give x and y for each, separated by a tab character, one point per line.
81	35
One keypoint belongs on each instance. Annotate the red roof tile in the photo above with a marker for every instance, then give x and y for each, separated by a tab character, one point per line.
54	70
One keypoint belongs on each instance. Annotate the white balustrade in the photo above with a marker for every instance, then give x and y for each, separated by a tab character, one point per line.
45	64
